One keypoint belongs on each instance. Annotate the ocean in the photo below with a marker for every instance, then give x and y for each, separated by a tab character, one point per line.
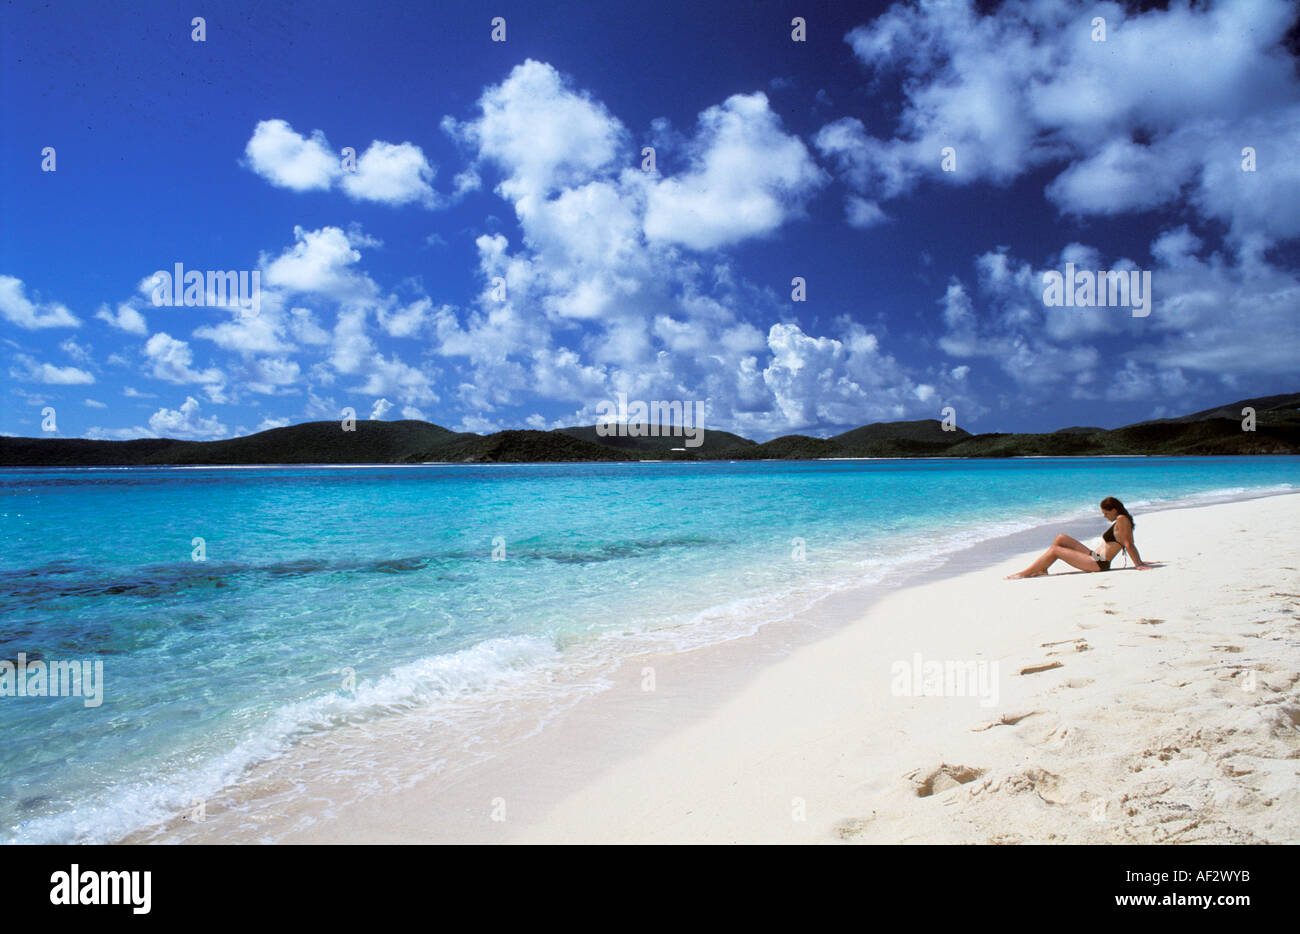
237	611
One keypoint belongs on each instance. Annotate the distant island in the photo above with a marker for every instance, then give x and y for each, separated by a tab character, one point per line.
1214	431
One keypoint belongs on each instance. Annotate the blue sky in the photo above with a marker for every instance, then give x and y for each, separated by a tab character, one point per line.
480	162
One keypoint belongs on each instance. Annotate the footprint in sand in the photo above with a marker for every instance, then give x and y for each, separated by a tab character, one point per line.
1006	839
1236	768
1155	757
938	780
1070	645
1287	715
1046	785
1150	622
1035	669
1045	730
1274	635
1007	719
853	827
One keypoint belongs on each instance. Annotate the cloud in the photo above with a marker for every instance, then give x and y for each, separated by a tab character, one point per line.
543	135
127	318
1210	321
861	213
288	160
406	320
561	374
49	374
599	296
186	422
380	409
478	425
616	281
828	381
351	346
392	174
747	178
18	309
305	329
78	352
321	265
172	361
1156	115
321	262
1121	177
390	375
118	434
387	173
353	353
264	333
269	375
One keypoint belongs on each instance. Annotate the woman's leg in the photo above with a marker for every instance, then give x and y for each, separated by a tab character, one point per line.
1073	544
1078	559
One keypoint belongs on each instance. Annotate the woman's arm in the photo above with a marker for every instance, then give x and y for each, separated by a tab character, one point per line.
1124	532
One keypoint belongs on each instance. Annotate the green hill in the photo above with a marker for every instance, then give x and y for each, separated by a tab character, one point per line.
712	443
787	447
925	431
520	447
1276	406
1214	431
924	438
373	442
83	452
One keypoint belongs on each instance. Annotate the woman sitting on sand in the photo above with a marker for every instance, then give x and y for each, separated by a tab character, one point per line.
1117	538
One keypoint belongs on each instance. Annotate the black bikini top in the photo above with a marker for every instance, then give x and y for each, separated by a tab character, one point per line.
1109	534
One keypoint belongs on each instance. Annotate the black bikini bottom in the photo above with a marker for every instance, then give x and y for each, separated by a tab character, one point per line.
1102	563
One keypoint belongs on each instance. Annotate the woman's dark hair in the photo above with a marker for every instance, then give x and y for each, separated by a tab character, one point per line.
1111	502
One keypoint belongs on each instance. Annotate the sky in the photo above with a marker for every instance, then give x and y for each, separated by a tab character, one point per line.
809	226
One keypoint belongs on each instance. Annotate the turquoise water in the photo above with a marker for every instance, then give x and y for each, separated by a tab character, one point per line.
388	574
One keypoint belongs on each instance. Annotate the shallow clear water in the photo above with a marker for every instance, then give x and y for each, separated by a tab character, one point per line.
310	574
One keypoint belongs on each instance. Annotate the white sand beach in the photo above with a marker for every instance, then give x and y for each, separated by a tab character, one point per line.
1135	707
1158	706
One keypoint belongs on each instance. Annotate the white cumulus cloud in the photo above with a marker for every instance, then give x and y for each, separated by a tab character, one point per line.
18	309
186	423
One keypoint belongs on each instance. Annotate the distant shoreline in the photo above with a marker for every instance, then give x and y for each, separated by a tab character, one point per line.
1272	428
552	463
